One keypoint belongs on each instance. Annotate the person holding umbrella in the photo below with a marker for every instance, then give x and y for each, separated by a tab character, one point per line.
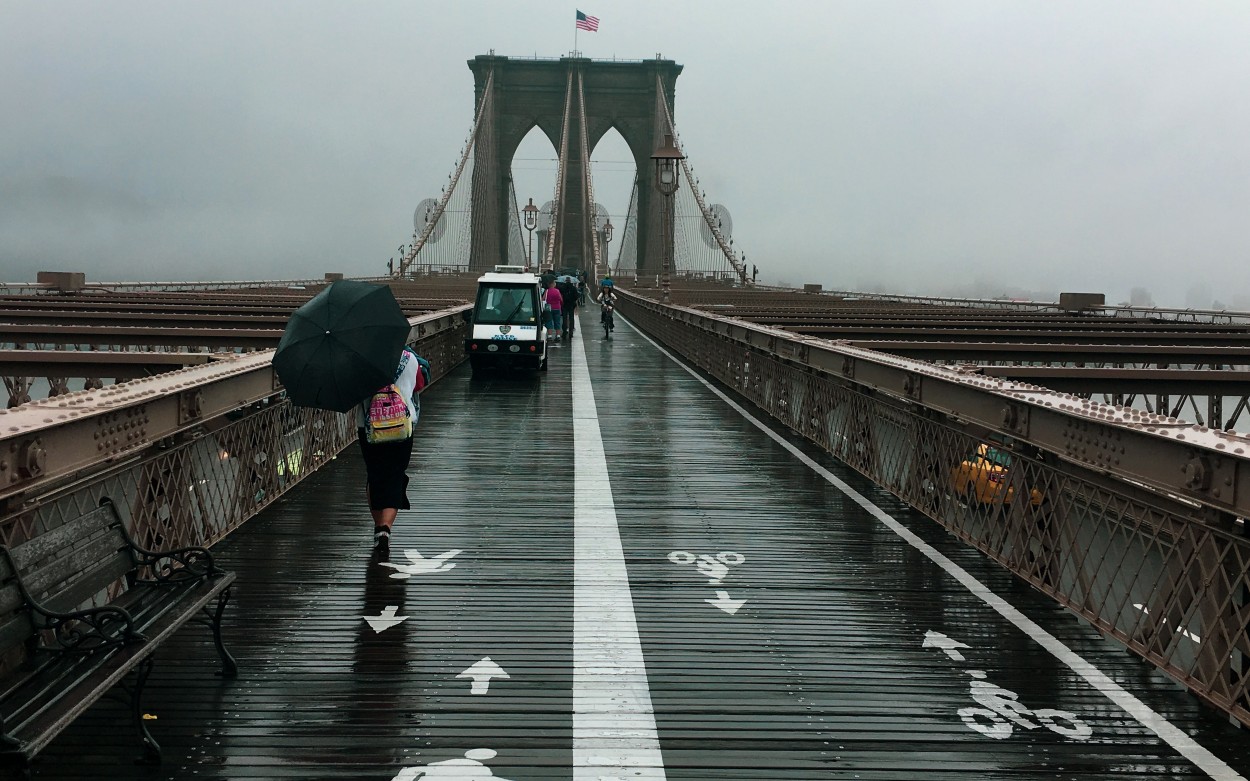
339	352
386	458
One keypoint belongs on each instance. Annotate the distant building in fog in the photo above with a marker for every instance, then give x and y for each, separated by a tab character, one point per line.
1198	297
1140	296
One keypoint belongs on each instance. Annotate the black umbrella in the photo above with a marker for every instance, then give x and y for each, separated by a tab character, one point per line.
341	346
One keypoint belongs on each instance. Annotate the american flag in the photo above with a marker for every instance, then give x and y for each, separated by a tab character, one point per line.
585	22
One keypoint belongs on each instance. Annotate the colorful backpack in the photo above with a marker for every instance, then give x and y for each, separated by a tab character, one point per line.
387	419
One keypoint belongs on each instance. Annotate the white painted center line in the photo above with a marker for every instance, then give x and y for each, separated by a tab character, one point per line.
614	735
1186	746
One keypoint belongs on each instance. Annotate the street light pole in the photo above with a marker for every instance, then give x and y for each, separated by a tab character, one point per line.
607	239
666	182
531	222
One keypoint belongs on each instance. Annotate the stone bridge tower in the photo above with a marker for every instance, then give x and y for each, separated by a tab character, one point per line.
529	93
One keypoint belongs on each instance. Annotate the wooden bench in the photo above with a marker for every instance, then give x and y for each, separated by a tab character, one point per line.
81	609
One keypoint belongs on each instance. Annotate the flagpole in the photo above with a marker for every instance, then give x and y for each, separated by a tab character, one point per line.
575	28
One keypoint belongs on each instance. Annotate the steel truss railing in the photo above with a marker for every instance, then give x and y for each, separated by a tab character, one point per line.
1135	524
38	288
188	456
1214	316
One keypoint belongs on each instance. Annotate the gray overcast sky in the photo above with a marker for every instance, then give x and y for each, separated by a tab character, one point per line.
928	147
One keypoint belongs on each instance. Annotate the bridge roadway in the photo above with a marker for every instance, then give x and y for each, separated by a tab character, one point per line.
832	633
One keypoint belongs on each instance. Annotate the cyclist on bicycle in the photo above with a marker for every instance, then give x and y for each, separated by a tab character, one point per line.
607	300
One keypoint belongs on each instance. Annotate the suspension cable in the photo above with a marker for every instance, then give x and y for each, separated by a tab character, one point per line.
628	230
516	236
708	217
588	188
411	255
557	204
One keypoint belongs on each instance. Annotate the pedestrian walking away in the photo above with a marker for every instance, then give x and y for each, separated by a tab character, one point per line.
385	424
555	301
568	295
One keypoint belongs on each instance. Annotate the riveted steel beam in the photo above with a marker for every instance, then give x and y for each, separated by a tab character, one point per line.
60	437
1128	444
1039	334
98	363
1069	379
256	338
980	352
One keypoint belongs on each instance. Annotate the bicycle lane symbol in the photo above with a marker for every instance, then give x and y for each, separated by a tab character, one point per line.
999	710
716	568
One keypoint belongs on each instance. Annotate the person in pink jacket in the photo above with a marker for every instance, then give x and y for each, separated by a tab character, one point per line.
553	310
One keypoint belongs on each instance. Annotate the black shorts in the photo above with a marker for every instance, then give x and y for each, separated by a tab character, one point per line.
386	471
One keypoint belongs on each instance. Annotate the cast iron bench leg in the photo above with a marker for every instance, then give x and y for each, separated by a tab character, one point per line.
151	749
229	668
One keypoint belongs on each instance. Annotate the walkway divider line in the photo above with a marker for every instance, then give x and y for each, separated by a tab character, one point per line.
1186	746
614	734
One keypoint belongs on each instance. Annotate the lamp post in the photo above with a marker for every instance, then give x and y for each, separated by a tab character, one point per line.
531	222
666	181
607	239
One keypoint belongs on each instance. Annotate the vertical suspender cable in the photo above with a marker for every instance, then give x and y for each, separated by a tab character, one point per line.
588	189
709	218
441	208
557	203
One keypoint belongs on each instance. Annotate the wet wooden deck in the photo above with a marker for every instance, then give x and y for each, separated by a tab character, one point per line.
851	655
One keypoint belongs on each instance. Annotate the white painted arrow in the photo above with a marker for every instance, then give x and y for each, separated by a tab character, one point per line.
945	644
421	565
386	619
481	672
723	602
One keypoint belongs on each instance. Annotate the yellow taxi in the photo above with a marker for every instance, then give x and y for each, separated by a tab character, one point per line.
982	478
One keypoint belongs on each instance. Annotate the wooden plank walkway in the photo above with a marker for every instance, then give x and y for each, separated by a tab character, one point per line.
812	642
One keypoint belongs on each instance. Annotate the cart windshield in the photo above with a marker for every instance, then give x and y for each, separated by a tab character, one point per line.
505	304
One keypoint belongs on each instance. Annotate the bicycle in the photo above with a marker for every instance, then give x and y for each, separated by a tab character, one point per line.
607	321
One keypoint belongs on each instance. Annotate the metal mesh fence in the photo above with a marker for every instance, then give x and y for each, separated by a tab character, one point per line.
1155	571
197	488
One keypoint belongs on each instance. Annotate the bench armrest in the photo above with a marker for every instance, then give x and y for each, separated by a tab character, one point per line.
90	629
196	564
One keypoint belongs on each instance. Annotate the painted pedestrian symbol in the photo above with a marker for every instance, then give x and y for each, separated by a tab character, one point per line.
716	568
386	619
1000	710
468	769
419	565
481	672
